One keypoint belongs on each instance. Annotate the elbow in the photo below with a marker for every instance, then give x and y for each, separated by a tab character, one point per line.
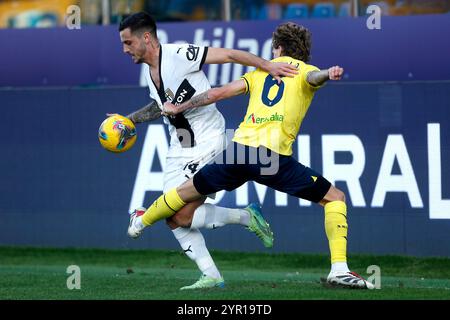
231	56
314	81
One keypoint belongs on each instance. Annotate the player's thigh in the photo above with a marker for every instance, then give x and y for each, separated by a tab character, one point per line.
174	177
179	170
184	166
228	171
177	174
297	180
217	177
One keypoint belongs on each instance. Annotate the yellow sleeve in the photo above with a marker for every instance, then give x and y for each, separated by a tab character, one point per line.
307	68
248	79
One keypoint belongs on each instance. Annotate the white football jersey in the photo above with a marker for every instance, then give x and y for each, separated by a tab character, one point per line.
181	78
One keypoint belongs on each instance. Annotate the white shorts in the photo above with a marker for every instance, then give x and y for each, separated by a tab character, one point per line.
179	169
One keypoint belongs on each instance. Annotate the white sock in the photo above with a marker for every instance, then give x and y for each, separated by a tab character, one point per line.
211	217
339	267
193	244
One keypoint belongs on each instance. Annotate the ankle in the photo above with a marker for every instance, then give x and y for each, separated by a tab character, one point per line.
339	267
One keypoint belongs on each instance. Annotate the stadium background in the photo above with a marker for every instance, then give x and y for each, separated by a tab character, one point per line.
60	189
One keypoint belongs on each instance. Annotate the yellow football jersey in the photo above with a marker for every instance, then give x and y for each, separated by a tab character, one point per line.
275	111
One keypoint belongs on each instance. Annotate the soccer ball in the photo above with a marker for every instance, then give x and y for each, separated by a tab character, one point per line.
117	133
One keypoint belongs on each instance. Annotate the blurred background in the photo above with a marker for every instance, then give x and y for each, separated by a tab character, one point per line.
41	14
381	134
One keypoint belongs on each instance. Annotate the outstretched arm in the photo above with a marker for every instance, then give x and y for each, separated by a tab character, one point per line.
317	78
148	113
203	99
276	69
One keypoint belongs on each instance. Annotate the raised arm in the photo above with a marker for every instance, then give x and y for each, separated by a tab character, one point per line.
203	99
276	69
317	78
148	113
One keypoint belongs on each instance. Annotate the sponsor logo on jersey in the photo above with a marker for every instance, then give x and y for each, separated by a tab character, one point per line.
258	120
184	131
192	53
169	95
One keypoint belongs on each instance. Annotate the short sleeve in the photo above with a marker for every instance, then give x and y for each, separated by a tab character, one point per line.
190	57
248	79
307	68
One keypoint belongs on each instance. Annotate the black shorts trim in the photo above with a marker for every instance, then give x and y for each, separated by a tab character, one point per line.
316	192
248	85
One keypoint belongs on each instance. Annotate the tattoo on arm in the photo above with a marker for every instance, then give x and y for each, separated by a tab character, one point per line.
200	100
148	113
317	78
210	96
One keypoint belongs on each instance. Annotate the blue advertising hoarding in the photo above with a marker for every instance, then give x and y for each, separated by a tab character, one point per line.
386	145
404	49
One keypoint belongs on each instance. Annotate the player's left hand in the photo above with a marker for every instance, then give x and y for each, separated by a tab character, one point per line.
281	69
335	73
169	109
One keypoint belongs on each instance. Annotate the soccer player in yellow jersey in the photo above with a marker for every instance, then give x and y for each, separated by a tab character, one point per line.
262	147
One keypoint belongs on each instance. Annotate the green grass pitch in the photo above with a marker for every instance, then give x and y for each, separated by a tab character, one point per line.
40	273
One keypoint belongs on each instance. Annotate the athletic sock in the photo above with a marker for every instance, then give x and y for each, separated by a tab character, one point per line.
193	244
163	207
336	230
339	267
211	217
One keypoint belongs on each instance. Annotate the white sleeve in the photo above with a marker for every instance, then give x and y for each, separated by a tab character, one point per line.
190	57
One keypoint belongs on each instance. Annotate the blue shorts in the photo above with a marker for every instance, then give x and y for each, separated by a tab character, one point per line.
239	164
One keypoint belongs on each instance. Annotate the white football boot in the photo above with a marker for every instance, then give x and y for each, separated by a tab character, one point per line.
136	227
349	279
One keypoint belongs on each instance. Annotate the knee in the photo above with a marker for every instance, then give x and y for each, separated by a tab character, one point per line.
171	223
340	196
335	195
180	220
183	218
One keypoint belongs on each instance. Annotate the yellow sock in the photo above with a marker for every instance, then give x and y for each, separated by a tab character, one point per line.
336	230
164	207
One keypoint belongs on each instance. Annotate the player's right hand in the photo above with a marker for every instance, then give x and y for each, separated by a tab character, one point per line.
335	73
282	69
169	109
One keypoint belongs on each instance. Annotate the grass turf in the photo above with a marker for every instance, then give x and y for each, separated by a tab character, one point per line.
40	273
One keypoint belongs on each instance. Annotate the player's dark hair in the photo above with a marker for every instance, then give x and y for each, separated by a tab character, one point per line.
294	39
140	21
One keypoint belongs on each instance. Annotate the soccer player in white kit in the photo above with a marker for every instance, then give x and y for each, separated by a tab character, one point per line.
173	73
